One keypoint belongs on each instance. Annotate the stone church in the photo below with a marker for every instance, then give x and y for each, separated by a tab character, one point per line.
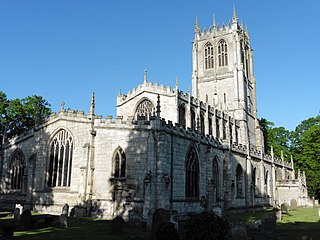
169	149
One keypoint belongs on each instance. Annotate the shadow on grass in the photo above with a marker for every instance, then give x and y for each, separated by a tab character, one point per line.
83	229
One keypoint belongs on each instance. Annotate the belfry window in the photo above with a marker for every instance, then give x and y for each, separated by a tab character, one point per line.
208	56
192	174
223	53
60	160
17	169
145	110
119	164
239	179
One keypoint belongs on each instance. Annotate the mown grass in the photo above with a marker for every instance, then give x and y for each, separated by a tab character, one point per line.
298	223
83	229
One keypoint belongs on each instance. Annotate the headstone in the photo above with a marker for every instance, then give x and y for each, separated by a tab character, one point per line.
160	216
268	223
293	204
284	208
63	220
167	231
65	209
25	222
16	215
217	210
238	230
117	225
319	214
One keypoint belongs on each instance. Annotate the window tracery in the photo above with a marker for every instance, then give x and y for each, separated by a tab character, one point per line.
208	55
60	160
145	110
223	53
119	164
192	174
17	169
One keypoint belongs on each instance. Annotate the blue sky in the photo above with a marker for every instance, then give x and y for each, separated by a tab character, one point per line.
65	50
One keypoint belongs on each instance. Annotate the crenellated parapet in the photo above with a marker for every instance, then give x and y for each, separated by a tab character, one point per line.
145	87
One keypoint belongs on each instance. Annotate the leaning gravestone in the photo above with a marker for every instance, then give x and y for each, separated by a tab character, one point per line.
160	216
25	222
238	230
117	225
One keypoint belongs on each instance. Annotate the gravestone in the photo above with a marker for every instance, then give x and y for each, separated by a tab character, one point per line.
167	231
318	214
217	210
284	208
293	204
117	225
16	215
25	222
63	219
160	216
268	223
238	230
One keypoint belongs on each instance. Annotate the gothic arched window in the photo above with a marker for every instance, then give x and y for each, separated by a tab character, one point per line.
192	174
119	164
17	168
208	56
239	179
223	53
193	120
182	115
216	177
145	110
60	160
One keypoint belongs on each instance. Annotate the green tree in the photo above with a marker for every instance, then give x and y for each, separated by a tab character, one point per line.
277	137
306	150
19	115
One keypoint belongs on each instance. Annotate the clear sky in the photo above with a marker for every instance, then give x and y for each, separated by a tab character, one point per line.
64	50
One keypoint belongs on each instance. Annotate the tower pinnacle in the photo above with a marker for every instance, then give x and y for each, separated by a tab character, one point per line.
234	15
145	76
92	104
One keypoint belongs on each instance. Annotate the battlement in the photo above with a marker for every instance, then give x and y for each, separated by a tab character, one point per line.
145	87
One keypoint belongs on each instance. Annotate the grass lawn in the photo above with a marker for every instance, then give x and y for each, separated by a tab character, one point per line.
83	229
294	225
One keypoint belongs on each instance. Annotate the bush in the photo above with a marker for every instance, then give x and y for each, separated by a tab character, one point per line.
206	226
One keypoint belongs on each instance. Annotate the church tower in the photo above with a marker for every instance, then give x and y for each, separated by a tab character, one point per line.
222	73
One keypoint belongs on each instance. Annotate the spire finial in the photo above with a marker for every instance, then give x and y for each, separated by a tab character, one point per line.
196	27
177	82
234	15
62	106
145	76
92	104
214	20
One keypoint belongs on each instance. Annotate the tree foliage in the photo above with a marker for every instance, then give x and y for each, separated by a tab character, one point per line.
303	144
18	115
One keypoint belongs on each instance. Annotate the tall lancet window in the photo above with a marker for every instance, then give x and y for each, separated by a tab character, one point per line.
145	110
60	160
223	53
17	169
182	115
239	179
192	174
119	163
208	56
